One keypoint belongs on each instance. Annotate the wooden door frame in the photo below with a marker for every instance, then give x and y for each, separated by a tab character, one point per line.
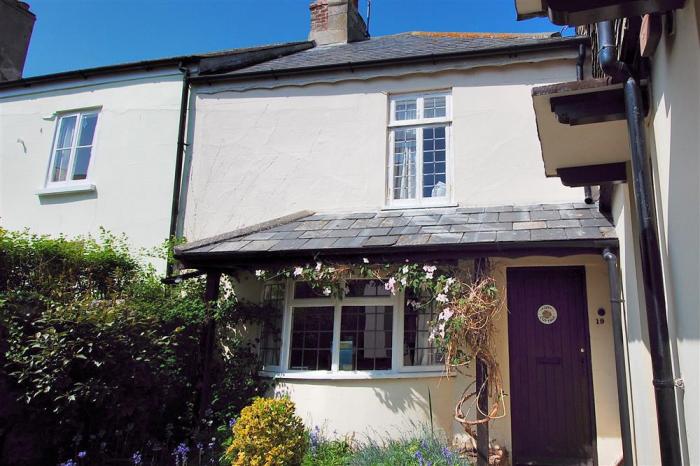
587	337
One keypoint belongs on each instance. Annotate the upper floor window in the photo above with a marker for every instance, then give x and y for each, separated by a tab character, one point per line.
72	147
419	144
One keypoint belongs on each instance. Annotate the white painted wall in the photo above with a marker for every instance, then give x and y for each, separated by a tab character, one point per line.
260	150
132	165
675	146
673	131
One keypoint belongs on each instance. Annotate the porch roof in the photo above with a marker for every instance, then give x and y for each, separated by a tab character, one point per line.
394	231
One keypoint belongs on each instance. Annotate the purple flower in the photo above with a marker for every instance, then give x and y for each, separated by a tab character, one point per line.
136	458
419	457
180	453
82	454
69	463
232	422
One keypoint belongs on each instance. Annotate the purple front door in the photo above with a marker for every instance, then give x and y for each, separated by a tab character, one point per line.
550	369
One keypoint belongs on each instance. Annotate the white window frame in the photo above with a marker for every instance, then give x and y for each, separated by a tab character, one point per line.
398	369
68	182
419	123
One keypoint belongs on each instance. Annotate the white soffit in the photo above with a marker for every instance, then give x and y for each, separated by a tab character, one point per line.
565	146
529	8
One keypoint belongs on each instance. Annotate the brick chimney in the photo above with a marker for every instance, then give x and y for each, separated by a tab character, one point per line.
16	25
336	22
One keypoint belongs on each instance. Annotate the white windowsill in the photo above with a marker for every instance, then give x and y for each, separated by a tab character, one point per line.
354	375
66	189
420	206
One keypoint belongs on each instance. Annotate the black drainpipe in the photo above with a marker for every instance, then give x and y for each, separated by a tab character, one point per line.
654	294
179	157
620	364
587	191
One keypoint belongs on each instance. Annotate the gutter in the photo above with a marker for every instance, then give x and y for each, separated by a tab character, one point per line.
416	59
179	157
620	361
650	254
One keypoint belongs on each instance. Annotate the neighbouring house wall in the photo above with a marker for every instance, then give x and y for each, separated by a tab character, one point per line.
385	407
263	150
132	163
675	146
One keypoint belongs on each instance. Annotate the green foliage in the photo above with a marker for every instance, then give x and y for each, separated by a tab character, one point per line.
422	451
268	433
326	452
97	354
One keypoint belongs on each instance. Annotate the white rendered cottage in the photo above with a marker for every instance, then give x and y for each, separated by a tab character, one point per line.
420	147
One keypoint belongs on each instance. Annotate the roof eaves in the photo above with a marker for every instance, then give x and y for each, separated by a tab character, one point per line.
494	51
150	65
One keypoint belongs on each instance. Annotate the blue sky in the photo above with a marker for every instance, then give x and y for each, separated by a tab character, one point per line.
74	34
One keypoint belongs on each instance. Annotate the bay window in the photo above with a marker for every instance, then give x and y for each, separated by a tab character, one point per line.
369	331
419	137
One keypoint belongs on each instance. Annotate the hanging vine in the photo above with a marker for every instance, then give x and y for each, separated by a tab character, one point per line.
462	331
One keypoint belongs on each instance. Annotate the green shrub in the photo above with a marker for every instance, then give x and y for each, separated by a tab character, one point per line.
97	355
268	433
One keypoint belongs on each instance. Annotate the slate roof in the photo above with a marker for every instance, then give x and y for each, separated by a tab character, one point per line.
407	45
411	228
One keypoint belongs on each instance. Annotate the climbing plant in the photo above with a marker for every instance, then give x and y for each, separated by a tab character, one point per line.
463	330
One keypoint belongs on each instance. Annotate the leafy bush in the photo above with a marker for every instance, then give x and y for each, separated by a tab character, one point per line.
268	433
98	356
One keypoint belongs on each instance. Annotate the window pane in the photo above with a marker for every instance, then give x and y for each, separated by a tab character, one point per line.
65	132
271	332
434	107
87	129
312	334
304	290
365	337
82	160
405	110
60	165
434	170
360	288
418	350
404	163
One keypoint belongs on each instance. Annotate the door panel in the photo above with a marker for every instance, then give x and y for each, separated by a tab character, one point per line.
550	370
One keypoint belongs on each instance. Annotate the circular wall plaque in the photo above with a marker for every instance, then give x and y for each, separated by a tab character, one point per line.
547	314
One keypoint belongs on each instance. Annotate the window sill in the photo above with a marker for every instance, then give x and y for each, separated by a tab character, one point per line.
355	375
420	206
67	189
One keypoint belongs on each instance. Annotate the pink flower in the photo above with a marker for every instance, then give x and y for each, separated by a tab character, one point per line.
391	285
318	266
429	270
446	314
298	271
441	298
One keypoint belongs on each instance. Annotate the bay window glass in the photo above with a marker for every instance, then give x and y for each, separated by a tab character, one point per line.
312	338
271	331
419	134
366	337
418	349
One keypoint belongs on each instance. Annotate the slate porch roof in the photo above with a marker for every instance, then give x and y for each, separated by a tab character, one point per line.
398	230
